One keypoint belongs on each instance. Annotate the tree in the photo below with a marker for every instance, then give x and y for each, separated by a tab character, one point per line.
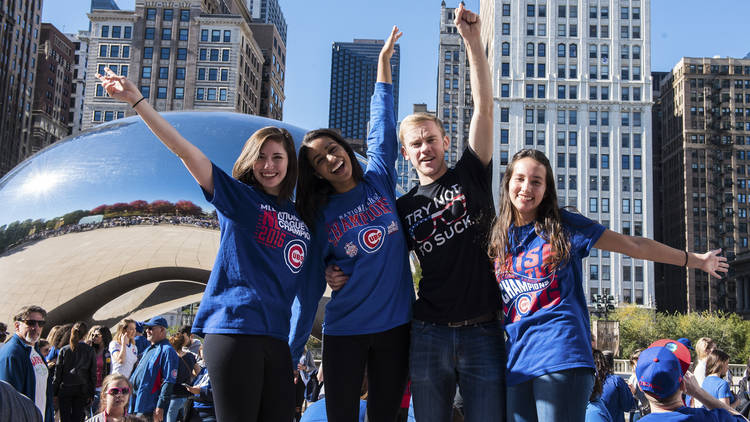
161	206
188	208
138	207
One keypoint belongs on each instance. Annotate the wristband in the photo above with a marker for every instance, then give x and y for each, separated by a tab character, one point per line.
686	259
136	103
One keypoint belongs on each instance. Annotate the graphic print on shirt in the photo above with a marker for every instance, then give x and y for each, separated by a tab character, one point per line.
445	216
526	285
368	238
277	229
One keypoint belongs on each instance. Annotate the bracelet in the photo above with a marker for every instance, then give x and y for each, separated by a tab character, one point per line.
686	259
136	103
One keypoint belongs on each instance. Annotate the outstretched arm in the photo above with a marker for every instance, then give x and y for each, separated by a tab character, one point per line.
643	248
480	130
384	60
691	387
120	88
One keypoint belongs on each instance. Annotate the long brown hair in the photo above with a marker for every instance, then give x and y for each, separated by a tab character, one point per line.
312	190
715	362
243	167
122	328
547	224
76	334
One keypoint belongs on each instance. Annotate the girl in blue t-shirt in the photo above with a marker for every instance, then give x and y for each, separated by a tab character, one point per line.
352	214
246	308
717	365
539	250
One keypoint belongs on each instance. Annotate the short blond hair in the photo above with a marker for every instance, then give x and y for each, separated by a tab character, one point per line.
703	347
417	118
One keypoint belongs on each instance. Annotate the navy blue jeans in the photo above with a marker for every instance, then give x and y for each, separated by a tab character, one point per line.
556	397
472	357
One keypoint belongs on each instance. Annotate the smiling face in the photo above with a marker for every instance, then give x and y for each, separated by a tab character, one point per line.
30	329
270	167
527	188
130	331
424	145
331	162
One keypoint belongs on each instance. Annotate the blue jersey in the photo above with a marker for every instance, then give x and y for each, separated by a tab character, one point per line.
361	233
154	378
546	319
596	411
617	397
687	414
259	266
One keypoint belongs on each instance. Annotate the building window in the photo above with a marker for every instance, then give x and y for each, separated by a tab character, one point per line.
213	74
105	31
540	91
626	206
99	90
161	92
103	50
180	73
504	136
114	50
97	116
167	14
637	206
605	205
124	70
201	73
561	50
199	93
225	55
504	115
182	54
146	72
605	163
541	49
109	116
204	35
211	94
148	52
149	34
127	32
163	72
505	90
227	36
179	93
150	14
222	94
116	31
166	34
183	34
185	15
164	53
125	51
530	49
505	69
506	49
145	91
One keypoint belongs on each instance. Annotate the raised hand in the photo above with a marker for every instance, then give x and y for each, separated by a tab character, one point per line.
390	43
713	264
119	87
467	23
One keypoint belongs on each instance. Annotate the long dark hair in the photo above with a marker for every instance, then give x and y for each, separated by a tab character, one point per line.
243	167
547	225
601	374
106	338
313	190
76	334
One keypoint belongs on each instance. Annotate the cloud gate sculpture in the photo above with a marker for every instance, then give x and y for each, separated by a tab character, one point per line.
109	224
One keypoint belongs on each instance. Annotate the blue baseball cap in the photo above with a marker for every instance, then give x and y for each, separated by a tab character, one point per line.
659	372
686	342
157	320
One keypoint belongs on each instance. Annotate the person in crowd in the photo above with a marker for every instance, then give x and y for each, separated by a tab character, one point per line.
140	338
99	339
187	369
245	311
539	250
192	344
640	397
44	348
21	364
16	407
122	348
352	214
58	340
743	383
616	394
154	378
596	410
660	377
308	373
115	397
3	333
75	376
703	348
202	394
717	365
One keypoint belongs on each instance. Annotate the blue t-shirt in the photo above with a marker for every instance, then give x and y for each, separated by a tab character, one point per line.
546	319
259	265
718	388
596	411
617	397
316	412
360	231
685	414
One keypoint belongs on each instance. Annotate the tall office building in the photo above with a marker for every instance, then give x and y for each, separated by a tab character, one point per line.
454	102
195	57
268	11
572	78
274	69
19	42
705	133
52	93
354	68
104	5
78	89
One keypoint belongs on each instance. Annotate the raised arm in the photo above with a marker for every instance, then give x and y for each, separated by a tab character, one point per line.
643	248
384	60
120	88
480	129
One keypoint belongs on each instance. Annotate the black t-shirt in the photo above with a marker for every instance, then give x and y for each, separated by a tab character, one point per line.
184	374
447	224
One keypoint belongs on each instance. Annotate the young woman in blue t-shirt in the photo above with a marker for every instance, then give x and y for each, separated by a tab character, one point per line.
538	250
246	308
352	214
717	366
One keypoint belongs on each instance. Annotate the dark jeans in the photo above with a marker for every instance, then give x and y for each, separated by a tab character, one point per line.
386	356
251	377
72	402
472	357
556	397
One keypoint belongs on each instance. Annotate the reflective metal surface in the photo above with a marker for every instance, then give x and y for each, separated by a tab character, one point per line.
118	170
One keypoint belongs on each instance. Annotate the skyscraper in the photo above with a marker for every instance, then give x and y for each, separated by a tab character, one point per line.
268	11
354	68
104	5
19	38
705	133
573	80
274	69
454	102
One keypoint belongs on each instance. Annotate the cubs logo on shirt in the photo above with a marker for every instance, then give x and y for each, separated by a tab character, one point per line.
294	255
371	238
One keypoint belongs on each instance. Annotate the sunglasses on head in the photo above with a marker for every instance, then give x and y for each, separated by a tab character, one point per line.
33	322
115	391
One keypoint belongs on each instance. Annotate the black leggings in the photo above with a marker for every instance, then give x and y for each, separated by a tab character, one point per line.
386	355
251	377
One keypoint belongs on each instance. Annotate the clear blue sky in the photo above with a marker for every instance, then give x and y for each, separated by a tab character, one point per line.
694	28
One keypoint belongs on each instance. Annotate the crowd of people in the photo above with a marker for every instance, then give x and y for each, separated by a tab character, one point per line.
500	316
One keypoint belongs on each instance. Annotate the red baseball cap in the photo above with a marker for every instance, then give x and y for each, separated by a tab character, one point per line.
680	351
